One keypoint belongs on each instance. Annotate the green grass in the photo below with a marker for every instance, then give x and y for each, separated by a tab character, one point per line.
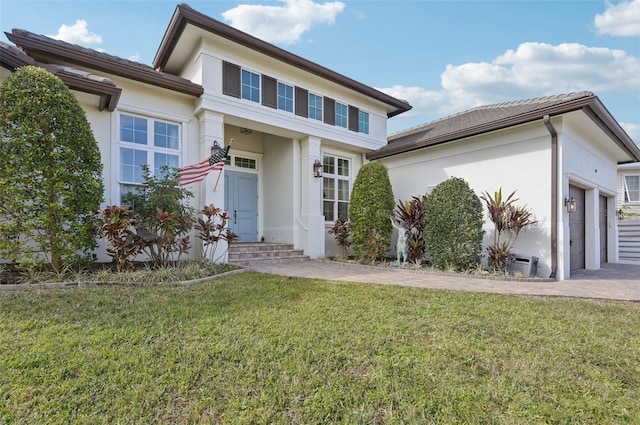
253	348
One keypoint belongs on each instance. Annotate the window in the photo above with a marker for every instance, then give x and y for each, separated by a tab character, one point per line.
315	107
363	122
335	187
149	142
250	86
632	188
341	115
285	97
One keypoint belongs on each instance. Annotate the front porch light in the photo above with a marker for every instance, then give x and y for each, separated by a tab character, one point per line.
570	204
317	168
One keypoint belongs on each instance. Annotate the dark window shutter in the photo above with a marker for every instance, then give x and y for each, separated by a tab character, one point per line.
353	118
269	91
231	79
329	111
302	102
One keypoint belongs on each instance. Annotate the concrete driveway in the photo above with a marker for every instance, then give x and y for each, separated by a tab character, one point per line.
612	281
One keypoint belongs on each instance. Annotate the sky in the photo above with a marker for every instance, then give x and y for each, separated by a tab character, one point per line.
443	57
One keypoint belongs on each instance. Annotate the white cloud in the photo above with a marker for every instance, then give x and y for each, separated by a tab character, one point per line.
282	24
77	33
532	70
622	19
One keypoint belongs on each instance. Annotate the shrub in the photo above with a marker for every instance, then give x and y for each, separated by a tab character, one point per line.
50	172
342	234
453	226
508	220
370	207
213	229
117	227
163	219
410	215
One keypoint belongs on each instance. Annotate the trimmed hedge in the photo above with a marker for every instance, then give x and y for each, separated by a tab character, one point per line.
453	226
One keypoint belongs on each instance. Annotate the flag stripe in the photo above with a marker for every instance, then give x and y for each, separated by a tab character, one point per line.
197	172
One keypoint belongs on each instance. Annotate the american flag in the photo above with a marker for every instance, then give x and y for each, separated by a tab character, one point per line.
197	172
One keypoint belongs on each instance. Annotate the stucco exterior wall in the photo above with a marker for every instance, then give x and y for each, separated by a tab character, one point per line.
517	159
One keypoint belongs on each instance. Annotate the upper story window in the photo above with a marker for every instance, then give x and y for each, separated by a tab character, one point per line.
285	97
341	115
250	86
336	185
145	141
315	106
632	188
363	122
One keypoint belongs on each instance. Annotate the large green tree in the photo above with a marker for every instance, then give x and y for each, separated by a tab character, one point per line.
370	208
50	172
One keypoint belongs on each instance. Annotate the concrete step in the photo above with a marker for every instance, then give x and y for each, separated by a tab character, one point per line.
246	254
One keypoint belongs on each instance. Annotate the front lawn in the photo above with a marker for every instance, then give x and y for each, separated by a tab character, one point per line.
255	348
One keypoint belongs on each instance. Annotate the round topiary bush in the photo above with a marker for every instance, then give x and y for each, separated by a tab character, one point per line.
370	207
453	226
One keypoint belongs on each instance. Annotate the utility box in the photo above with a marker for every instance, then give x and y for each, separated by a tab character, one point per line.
525	264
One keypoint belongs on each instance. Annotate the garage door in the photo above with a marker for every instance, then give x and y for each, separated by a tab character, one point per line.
576	229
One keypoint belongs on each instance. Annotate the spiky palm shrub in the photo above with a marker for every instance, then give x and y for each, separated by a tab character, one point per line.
410	215
453	226
370	207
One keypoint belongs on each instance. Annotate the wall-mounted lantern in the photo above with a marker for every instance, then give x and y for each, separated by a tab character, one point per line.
570	204
317	168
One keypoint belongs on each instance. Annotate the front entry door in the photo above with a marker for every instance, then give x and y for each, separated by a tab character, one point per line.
576	229
241	201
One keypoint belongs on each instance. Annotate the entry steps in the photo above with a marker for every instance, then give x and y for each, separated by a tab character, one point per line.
245	254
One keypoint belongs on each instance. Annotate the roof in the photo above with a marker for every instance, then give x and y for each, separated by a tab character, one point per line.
484	119
46	49
12	58
185	15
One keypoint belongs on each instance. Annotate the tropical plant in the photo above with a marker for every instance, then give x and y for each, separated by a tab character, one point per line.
213	229
50	173
410	215
508	220
342	234
453	226
163	218
117	227
370	207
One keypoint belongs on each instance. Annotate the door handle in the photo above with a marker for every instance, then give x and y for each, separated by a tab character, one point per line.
235	217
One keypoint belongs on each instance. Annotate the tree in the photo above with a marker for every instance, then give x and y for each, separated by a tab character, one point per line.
370	207
453	226
50	174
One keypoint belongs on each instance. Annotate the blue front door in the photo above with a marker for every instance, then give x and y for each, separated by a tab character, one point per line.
241	201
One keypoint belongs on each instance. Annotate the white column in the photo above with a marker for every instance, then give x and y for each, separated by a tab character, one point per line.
212	130
311	218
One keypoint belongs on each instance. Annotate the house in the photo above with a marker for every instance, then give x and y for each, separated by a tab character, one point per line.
210	83
560	153
628	200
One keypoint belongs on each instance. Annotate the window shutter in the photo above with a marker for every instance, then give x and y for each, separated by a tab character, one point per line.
302	102
269	91
353	118
231	79
329	111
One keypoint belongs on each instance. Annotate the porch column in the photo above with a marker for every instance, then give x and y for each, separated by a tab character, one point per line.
311	217
212	130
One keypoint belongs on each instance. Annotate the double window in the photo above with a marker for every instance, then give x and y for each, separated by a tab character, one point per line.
336	184
315	107
145	141
285	97
631	188
363	122
250	86
341	115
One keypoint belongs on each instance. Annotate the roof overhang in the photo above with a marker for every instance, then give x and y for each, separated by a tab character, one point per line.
185	15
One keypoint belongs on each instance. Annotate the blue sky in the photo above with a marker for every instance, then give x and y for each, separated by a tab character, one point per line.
442	56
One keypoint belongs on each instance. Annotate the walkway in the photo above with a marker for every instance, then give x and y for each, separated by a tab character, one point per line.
613	281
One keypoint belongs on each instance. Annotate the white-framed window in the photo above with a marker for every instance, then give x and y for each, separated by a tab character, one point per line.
363	122
631	188
342	112
145	141
250	86
336	187
315	107
285	97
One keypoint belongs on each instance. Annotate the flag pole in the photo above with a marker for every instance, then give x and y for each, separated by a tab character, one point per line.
220	173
